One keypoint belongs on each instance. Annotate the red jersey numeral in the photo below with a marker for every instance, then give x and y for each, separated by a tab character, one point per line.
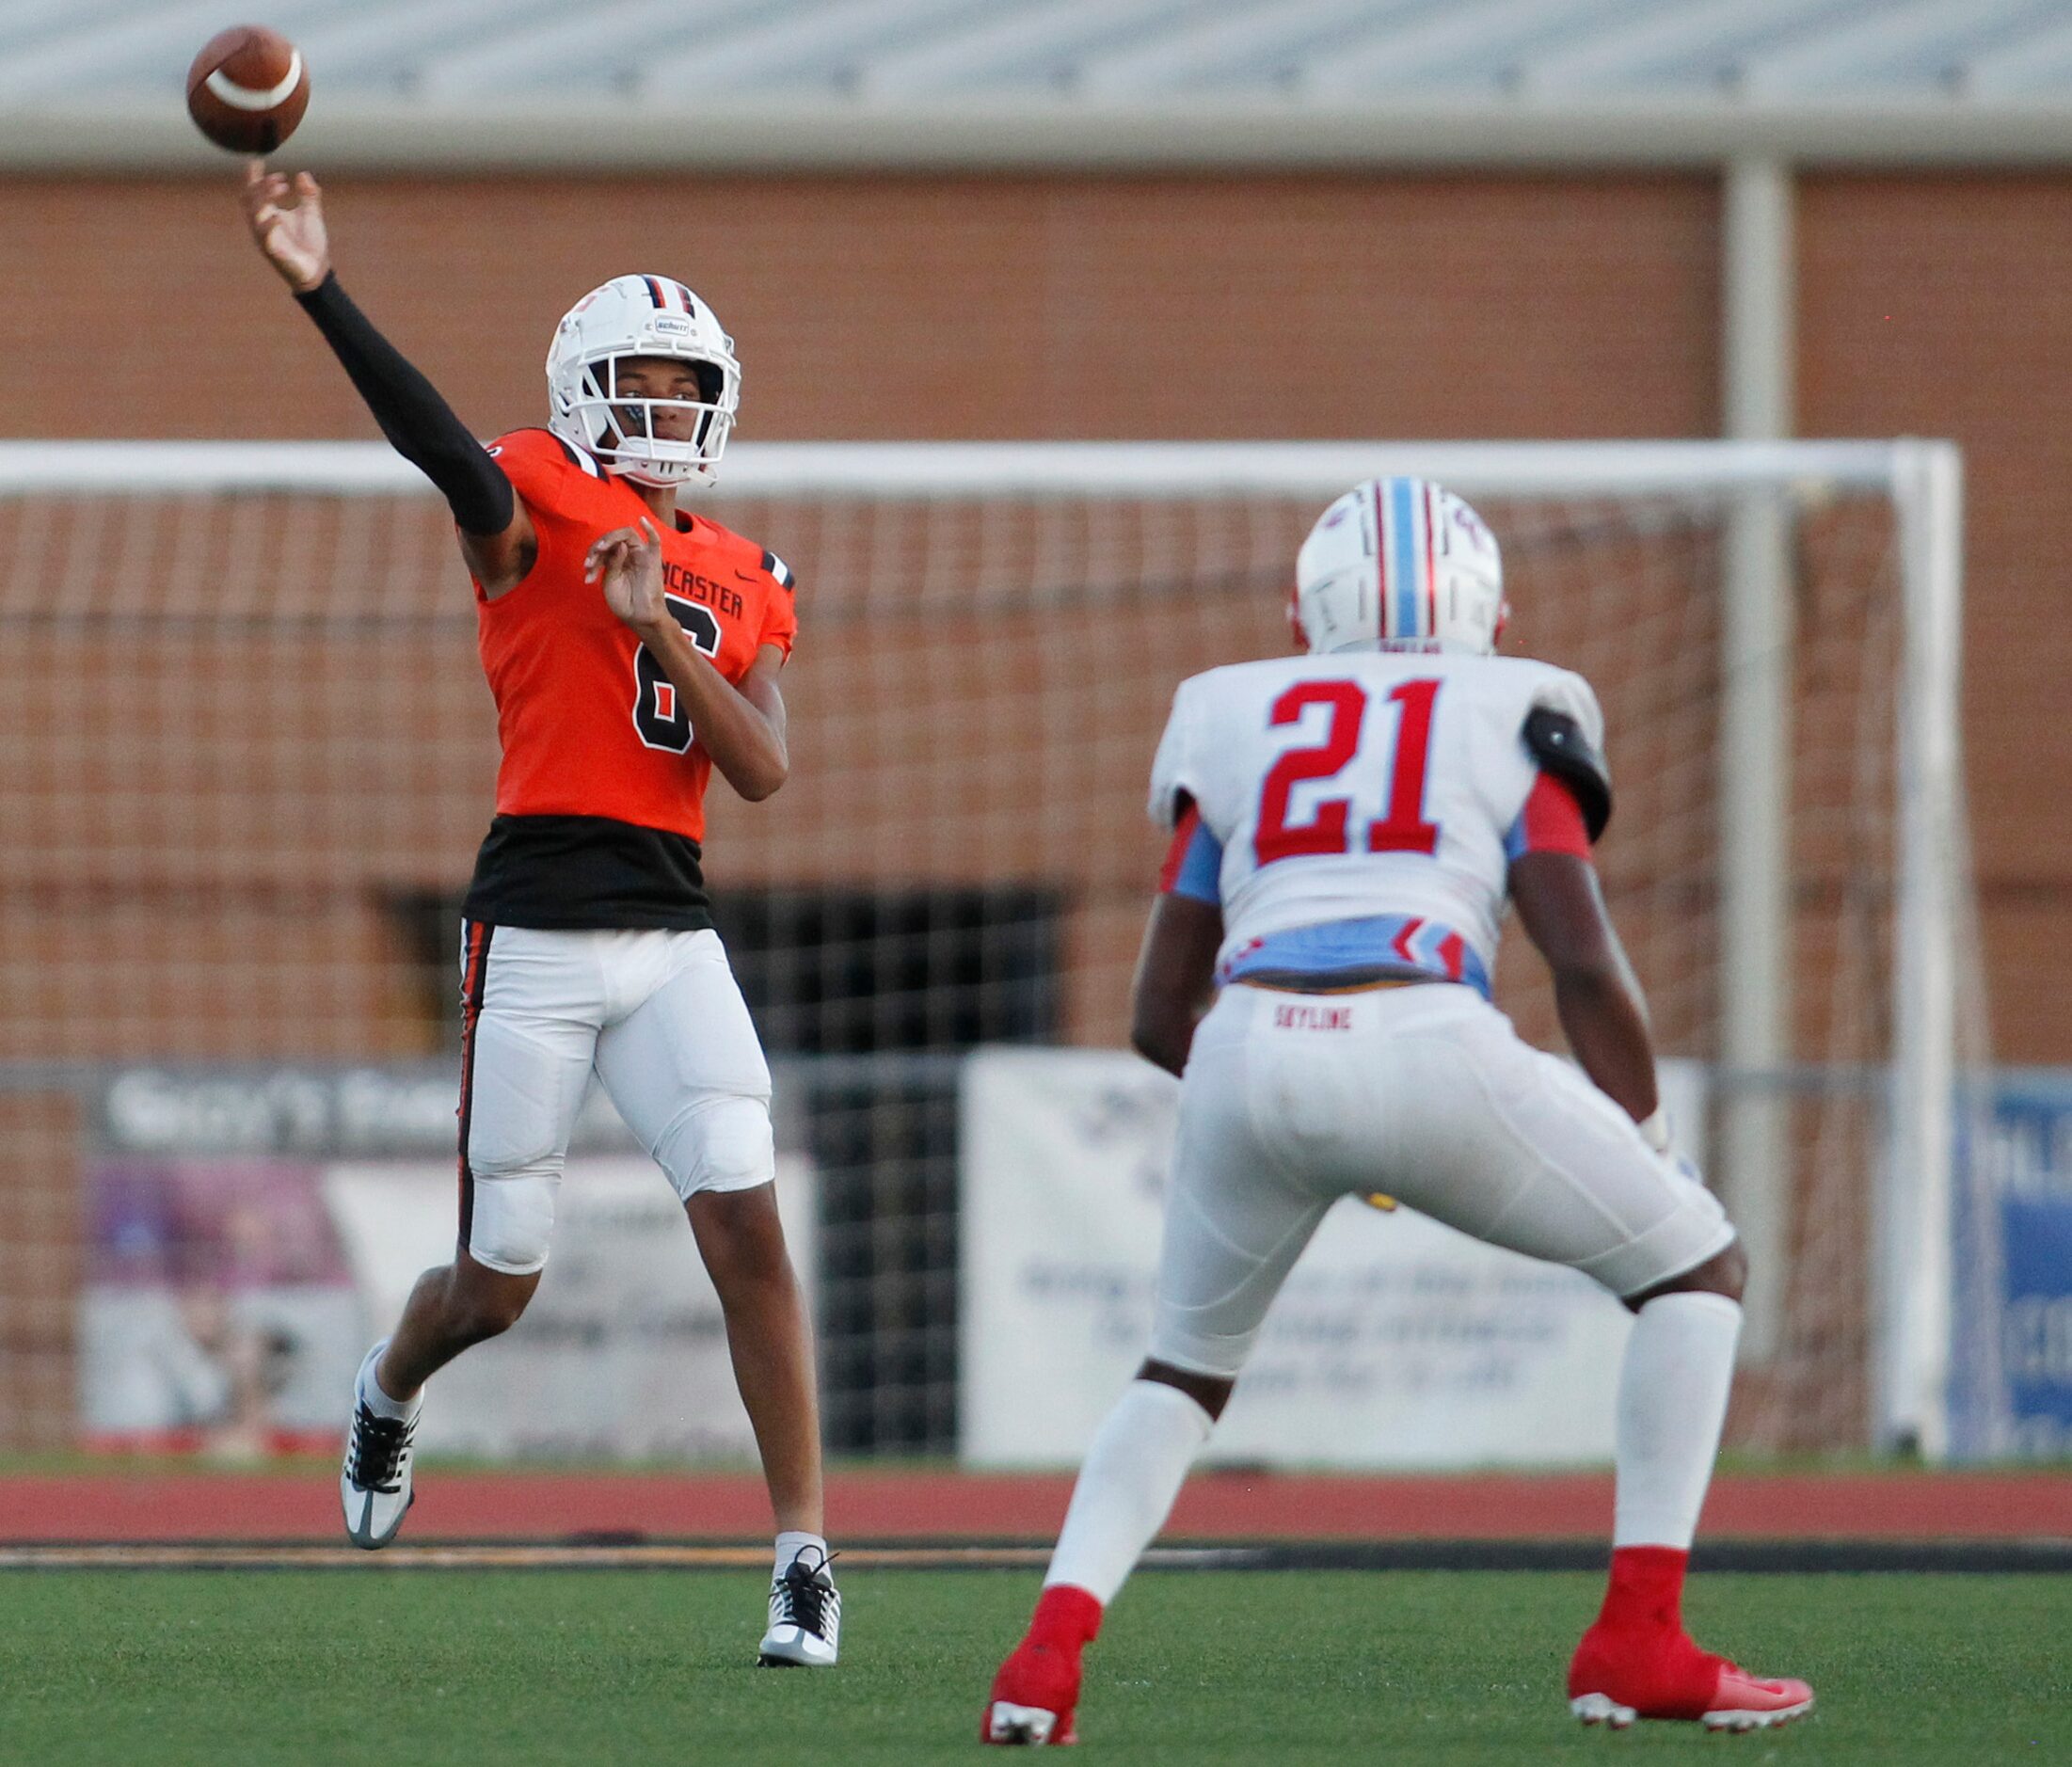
1327	834
1403	829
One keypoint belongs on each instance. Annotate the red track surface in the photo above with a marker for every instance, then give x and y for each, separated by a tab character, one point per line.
890	1505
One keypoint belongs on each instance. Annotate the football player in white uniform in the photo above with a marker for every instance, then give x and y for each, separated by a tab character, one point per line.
1347	828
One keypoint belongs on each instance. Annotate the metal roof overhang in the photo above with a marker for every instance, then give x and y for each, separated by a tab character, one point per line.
817	137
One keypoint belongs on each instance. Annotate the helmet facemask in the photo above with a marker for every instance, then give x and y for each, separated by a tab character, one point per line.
624	429
654	441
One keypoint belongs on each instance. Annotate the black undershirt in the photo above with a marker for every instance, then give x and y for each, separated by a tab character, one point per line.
587	872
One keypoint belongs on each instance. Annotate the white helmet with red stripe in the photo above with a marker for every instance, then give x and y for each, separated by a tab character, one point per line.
642	315
1399	564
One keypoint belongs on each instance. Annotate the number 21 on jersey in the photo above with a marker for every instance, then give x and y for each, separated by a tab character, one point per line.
1402	828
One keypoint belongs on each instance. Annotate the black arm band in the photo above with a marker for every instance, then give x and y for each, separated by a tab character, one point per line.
1558	744
418	422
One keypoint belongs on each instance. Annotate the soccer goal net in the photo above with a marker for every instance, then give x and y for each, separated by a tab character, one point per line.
245	756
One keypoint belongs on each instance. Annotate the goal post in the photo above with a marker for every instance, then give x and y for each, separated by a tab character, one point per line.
1937	935
248	745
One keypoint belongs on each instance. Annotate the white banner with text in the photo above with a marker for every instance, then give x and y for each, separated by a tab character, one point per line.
622	1354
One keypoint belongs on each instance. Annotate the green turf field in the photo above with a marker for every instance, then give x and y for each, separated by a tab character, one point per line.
423	1668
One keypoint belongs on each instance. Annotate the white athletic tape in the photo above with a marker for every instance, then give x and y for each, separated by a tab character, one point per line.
1655	1130
242	97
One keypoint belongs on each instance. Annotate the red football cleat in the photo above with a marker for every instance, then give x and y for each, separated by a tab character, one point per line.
1036	1690
1618	1677
1034	1697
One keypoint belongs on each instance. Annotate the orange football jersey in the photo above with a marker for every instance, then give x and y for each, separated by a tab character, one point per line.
590	723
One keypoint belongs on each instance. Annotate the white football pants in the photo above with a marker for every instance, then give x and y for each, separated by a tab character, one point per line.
1292	1101
656	1016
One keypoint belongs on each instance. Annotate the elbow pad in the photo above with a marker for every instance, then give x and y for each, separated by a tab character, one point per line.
1557	743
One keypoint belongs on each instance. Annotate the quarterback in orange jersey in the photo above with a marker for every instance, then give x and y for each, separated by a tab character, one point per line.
631	648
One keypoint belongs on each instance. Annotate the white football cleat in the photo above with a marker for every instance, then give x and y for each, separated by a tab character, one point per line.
1739	1701
806	1615
1009	1726
375	1483
1748	1703
1602	1708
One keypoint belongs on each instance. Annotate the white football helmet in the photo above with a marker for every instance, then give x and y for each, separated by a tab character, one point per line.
642	315
1399	564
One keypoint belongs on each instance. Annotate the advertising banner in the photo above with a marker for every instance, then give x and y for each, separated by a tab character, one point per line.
250	1233
622	1354
1396	1342
219	1316
2011	1365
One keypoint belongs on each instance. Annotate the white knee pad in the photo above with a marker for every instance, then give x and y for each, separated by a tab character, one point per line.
723	1142
513	1219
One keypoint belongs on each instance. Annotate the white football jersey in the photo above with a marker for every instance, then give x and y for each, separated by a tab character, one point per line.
1347	787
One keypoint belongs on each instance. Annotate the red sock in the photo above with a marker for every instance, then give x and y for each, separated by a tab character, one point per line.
1646	1592
1065	1615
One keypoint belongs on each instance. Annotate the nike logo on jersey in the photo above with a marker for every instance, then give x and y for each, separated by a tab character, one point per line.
773	568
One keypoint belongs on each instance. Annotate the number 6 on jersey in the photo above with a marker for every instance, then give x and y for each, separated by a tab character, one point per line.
659	715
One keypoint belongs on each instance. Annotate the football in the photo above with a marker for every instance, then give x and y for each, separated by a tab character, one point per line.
247	88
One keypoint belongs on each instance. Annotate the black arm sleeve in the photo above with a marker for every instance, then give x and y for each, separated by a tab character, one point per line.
418	422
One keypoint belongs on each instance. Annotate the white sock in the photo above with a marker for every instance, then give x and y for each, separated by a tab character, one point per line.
1138	1460
1672	1401
791	1543
371	1394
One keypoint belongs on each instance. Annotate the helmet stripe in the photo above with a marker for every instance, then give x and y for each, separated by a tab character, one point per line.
654	291
1403	558
1381	564
1431	569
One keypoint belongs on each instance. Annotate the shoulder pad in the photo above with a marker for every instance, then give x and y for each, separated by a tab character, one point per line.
1558	744
545	471
542	445
1172	777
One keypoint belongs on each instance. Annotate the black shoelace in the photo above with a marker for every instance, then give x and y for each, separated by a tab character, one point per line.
807	1591
378	1445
